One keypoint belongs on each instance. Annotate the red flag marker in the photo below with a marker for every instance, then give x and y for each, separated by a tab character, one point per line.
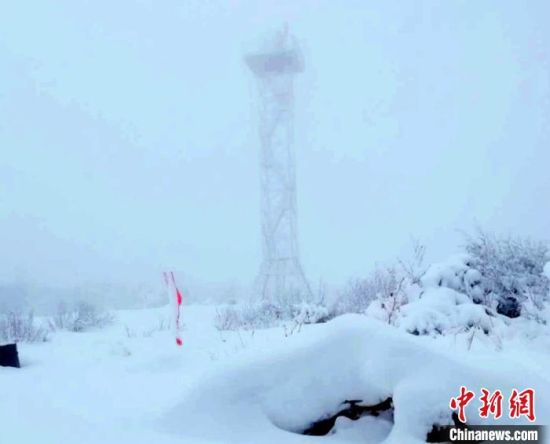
171	281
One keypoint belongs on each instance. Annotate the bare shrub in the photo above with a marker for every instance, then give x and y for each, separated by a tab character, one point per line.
385	289
229	318
355	298
80	317
163	324
15	326
414	267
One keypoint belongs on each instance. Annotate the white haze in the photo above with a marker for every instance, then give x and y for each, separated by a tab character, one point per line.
128	139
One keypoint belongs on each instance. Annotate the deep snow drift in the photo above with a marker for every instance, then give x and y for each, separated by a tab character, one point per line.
129	383
311	374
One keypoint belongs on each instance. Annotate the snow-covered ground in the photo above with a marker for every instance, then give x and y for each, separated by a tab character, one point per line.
129	383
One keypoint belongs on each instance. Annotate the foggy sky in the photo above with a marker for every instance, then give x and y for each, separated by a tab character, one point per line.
128	133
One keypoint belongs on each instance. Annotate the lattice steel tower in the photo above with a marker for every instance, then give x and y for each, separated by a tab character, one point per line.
281	277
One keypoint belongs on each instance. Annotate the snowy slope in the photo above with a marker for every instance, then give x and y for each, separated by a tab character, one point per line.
131	384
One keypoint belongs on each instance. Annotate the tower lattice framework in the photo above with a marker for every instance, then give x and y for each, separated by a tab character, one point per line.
281	277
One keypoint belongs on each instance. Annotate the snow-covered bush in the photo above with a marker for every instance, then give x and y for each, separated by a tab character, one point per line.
457	274
80	317
306	313
16	326
443	310
511	271
503	274
497	278
250	317
260	316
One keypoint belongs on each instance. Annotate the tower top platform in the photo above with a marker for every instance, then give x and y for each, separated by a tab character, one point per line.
280	55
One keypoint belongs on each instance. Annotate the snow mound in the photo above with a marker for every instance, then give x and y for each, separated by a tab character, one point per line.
274	397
